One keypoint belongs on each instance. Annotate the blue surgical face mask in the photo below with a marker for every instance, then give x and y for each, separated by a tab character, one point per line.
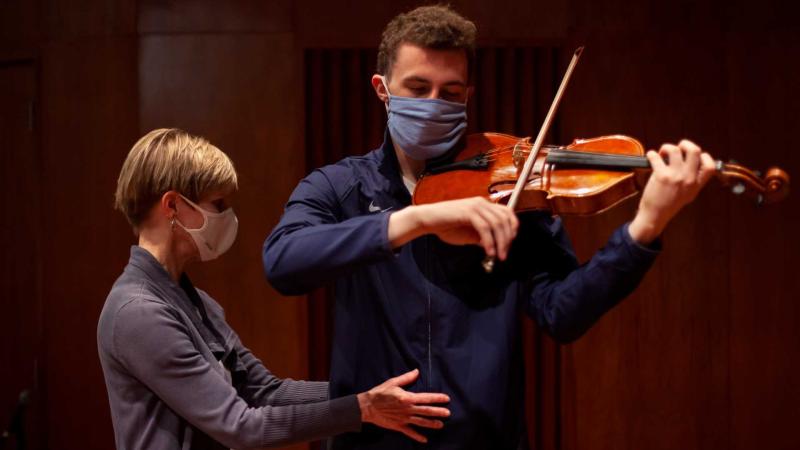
425	128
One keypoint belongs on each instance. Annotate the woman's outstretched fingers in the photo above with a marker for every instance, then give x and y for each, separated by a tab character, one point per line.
425	423
430	411
424	398
413	434
404	379
390	406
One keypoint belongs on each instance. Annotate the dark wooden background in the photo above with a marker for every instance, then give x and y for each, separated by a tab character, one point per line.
704	355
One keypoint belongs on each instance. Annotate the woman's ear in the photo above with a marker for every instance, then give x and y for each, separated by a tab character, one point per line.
168	204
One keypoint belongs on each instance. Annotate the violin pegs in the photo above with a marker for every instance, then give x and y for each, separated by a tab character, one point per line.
738	189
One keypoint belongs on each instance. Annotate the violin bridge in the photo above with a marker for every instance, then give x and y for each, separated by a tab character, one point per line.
518	155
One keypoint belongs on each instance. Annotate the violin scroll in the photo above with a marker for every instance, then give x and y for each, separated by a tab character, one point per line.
771	188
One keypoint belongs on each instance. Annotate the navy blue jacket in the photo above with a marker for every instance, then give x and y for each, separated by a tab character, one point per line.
429	305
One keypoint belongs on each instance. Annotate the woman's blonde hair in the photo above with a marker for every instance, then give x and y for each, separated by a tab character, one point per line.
170	159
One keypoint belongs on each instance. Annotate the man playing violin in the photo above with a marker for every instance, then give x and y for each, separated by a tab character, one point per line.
410	288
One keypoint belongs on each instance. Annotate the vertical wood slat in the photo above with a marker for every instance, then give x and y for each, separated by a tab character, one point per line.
22	345
84	241
764	282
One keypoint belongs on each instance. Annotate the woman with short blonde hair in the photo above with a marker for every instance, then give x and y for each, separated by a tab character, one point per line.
177	375
171	159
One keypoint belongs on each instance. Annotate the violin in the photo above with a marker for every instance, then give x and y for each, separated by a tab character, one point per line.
586	177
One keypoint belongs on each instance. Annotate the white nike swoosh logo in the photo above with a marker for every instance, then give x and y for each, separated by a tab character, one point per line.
375	208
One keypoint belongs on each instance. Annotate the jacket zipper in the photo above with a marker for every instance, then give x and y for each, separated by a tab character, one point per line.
429	314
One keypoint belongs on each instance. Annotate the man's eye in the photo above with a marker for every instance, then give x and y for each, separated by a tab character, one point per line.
453	96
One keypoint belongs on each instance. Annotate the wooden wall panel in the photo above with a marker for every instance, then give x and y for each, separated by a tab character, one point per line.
20	259
320	23
65	19
764	281
89	121
661	369
231	16
19	21
653	372
243	92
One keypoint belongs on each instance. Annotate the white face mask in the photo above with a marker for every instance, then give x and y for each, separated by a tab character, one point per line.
216	235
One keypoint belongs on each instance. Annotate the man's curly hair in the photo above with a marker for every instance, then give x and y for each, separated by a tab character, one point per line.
437	27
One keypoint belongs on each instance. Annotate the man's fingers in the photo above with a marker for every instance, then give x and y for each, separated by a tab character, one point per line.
707	168
673	152
689	146
484	231
404	379
425	398
692	158
425	423
514	221
656	161
430	411
504	225
408	431
496	224
510	224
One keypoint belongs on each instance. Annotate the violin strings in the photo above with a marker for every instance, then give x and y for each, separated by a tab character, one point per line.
495	153
512	147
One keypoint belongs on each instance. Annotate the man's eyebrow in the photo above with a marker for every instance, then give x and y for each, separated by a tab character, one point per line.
419	79
455	83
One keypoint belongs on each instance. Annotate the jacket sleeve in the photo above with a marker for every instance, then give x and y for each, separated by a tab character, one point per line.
312	245
155	347
261	387
567	299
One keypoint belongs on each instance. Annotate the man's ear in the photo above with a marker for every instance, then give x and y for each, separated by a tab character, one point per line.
380	89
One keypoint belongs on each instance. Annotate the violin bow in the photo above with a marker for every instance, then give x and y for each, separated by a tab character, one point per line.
488	262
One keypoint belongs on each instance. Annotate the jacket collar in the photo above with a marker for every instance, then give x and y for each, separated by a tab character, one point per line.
182	295
390	167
